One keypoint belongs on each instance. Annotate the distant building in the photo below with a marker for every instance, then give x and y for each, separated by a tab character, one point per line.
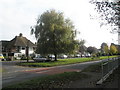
18	46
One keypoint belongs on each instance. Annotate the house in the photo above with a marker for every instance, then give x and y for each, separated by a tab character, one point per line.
18	46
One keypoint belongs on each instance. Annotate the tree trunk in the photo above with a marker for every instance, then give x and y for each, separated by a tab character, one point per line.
27	53
81	54
55	57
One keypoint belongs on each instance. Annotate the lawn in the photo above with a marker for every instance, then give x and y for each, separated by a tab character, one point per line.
61	62
93	68
52	81
0	69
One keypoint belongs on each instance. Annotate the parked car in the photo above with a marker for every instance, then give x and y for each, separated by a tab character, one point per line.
18	58
77	55
41	59
2	57
63	56
51	57
8	59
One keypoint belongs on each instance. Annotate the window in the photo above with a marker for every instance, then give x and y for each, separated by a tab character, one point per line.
23	48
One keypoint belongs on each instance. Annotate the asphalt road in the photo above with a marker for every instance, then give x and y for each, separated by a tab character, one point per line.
15	74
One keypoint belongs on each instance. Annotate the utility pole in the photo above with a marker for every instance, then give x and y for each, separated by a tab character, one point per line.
27	51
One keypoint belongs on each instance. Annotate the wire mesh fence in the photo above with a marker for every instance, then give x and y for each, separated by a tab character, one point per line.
108	67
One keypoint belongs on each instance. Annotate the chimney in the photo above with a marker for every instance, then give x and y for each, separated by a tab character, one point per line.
20	34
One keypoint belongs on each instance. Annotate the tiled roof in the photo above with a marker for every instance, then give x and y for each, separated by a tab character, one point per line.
5	43
21	41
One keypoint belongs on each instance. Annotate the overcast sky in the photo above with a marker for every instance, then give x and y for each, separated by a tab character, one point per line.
17	16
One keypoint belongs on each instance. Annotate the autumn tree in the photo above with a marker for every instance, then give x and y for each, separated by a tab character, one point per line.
113	49
54	34
104	48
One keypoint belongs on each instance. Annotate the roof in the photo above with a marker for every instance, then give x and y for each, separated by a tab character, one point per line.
5	43
21	41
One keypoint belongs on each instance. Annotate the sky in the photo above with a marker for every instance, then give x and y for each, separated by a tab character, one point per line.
17	16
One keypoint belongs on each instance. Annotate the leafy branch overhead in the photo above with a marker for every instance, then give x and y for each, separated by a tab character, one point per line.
109	13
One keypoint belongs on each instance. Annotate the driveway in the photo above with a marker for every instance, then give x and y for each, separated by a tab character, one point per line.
14	74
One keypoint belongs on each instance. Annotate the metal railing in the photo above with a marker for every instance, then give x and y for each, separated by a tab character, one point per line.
108	67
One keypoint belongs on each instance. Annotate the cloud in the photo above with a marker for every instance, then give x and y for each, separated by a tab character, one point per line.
19	15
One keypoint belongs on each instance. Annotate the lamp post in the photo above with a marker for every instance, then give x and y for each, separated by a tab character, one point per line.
27	51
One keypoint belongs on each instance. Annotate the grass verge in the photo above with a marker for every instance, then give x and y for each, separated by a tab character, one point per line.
61	62
52	81
93	68
2	70
113	76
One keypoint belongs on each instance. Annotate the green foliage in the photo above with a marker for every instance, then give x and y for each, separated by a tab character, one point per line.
82	47
92	50
104	48
54	34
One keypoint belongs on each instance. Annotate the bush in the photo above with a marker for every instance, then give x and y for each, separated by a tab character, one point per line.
23	58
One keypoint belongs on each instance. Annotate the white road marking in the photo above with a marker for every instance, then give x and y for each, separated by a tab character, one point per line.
8	78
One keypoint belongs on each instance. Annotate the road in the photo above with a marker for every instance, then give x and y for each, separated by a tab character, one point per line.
14	74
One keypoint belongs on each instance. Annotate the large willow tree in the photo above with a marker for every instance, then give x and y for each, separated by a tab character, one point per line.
54	34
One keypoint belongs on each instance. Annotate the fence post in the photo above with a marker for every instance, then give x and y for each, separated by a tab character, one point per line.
102	70
118	61
108	65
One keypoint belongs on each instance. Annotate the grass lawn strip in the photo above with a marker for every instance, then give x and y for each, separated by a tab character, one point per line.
93	68
52	81
61	62
2	70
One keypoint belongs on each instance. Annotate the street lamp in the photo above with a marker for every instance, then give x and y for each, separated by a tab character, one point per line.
27	51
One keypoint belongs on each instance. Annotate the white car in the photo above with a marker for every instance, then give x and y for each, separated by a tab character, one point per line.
40	59
63	56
